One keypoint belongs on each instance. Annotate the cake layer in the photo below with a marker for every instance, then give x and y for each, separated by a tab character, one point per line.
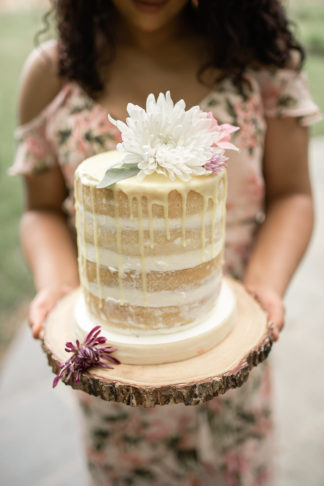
133	317
155	196
176	260
159	242
155	280
191	290
168	204
159	298
126	263
151	348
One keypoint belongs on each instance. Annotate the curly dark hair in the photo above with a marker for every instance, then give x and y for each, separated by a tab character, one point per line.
240	34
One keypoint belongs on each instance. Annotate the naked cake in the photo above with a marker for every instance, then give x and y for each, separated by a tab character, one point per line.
150	220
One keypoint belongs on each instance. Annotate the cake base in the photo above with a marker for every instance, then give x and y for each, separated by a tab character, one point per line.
145	349
191	381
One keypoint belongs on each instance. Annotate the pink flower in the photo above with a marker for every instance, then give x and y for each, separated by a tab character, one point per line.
248	118
226	131
157	432
79	145
209	116
216	163
223	132
36	147
235	465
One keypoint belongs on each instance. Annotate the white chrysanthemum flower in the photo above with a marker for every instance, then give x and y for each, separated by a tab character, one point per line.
167	139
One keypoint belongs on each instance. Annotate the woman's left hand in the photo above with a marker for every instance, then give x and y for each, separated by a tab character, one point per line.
272	303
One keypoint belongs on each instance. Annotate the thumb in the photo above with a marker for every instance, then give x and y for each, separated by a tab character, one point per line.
37	315
39	309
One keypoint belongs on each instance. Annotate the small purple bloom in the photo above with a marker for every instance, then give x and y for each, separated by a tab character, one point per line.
86	355
216	163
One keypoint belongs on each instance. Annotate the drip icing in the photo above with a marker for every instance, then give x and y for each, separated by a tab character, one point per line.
223	201
95	227
183	217
119	248
203	226
166	217
130	205
141	247
213	225
150	219
77	223
83	232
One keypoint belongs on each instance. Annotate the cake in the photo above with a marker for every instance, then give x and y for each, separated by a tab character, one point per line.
151	245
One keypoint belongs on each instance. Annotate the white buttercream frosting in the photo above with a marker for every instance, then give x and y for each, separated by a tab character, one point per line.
193	221
93	169
160	298
167	263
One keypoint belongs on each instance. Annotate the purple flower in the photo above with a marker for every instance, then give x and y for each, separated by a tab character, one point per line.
86	355
216	163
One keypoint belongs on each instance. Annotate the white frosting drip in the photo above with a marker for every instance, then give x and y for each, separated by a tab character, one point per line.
155	347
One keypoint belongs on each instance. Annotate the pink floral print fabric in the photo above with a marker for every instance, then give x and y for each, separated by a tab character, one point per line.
228	440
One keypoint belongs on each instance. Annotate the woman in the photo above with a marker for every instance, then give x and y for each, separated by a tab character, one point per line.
240	61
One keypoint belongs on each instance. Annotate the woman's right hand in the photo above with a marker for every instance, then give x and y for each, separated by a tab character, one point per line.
44	301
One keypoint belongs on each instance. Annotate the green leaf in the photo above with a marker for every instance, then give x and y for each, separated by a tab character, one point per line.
115	174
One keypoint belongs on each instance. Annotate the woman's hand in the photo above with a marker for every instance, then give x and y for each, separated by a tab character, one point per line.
43	303
272	303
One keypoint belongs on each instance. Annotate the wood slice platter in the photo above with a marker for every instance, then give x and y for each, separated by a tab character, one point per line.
191	381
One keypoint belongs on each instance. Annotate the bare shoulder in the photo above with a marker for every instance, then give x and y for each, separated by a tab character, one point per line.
40	81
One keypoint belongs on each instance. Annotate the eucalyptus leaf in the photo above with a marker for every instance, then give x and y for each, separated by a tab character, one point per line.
115	174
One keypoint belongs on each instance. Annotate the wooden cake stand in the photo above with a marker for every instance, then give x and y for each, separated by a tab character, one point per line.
191	381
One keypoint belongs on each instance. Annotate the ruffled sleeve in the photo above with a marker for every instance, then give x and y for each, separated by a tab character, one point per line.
285	93
34	152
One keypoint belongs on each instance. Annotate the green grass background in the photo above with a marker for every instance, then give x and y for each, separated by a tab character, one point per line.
16	41
17	32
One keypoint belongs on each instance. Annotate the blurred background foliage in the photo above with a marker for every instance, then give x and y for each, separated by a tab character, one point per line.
17	38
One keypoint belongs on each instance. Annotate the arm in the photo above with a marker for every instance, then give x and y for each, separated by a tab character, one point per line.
48	244
284	236
45	236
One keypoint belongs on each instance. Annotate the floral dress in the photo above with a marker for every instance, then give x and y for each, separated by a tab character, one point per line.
228	440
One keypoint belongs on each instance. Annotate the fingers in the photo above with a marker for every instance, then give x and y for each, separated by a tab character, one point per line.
39	309
275	332
42	304
273	305
276	317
